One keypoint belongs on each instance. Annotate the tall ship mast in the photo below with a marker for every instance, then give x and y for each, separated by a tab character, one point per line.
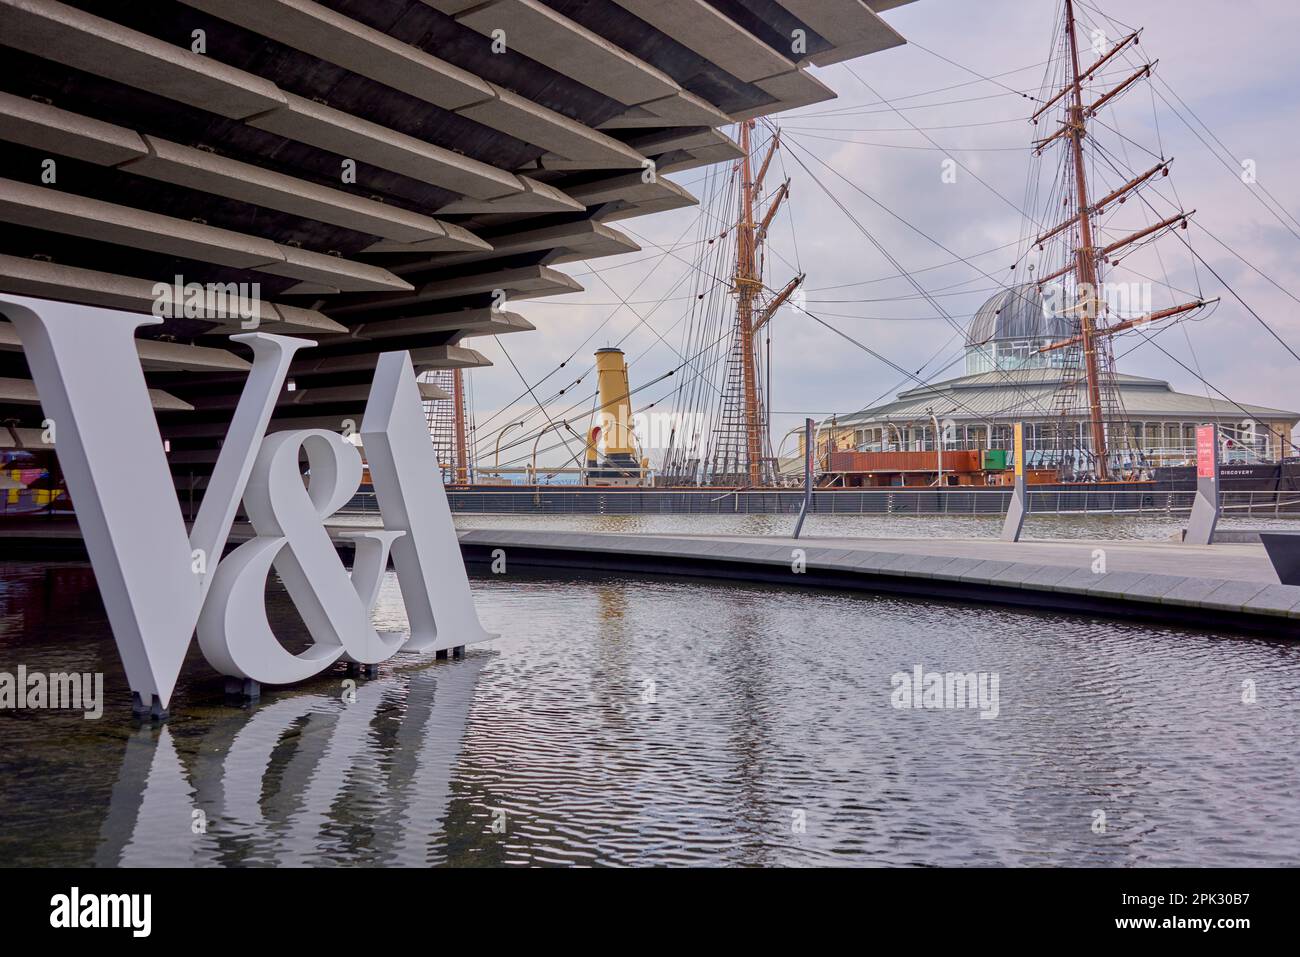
1087	357
451	425
733	447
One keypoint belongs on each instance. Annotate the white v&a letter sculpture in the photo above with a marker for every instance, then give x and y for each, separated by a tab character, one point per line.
159	584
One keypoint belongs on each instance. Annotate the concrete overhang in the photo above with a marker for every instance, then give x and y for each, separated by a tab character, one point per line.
227	164
429	357
704	30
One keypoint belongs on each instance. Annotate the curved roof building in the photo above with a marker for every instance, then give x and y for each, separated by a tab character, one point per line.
1008	380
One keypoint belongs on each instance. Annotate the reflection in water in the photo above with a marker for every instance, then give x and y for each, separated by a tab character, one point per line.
668	722
357	777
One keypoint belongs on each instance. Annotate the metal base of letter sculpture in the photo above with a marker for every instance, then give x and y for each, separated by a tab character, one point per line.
158	583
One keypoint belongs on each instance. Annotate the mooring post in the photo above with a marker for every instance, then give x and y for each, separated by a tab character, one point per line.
1205	507
808	436
1015	520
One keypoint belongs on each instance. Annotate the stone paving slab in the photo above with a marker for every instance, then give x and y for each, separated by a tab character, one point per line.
985	572
1275	600
1044	577
1232	596
1154	587
1114	584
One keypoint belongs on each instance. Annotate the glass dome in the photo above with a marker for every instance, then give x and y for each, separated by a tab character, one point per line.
1010	328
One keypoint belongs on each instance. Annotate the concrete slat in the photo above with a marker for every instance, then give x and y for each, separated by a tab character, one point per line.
429	357
353	137
69	36
23	392
855	28
46	208
63	133
714	36
567	47
470	322
157	355
45	280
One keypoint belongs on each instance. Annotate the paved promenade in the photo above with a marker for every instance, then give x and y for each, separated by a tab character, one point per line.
1228	585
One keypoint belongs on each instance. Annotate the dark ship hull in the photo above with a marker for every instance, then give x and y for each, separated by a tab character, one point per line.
1281	476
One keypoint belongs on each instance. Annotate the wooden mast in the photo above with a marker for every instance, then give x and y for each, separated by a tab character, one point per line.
753	309
458	410
747	285
1093	334
1086	259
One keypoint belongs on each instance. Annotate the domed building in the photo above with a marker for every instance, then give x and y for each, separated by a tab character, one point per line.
1008	380
1010	328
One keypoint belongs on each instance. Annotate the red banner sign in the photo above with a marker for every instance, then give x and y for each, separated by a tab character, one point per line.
1205	451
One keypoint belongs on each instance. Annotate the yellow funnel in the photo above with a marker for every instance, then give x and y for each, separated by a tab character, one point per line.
615	402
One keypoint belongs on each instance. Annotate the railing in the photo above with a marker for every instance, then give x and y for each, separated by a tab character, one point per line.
1049	453
1121	500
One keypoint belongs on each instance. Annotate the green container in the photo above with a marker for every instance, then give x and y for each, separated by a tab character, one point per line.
995	460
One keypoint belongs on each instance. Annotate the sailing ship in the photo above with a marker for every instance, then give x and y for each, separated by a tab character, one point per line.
1040	351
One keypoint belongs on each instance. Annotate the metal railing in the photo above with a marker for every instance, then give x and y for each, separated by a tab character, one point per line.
557	500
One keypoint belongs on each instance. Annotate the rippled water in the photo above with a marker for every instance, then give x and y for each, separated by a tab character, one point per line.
665	722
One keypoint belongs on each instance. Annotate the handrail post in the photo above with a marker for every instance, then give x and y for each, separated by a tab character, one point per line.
809	438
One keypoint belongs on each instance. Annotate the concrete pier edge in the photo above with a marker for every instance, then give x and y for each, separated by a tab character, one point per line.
1235	604
1227	587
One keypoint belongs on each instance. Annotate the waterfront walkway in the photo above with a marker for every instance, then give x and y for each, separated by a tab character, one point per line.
1227	586
1223	585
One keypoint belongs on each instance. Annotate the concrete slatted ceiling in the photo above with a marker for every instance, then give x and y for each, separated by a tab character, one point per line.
378	167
